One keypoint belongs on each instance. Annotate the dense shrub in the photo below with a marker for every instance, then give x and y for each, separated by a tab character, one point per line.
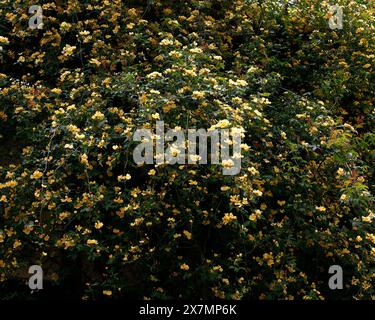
73	200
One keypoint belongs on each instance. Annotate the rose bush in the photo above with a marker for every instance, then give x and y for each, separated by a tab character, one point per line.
73	201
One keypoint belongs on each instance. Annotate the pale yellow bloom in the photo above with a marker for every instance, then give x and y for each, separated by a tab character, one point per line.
98	224
198	95
36	175
228	218
4	40
98	116
185	267
187	234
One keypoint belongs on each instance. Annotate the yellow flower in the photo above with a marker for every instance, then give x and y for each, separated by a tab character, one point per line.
193	182
65	26
16	244
166	42
152	172
36	175
321	209
185	267
268	257
107	292
64	215
84	159
187	234
95	61
92	242
196	50
98	116
98	224
253	171
222	124
217	268
155	116
154	75
254	216
227	163
56	90
126	177
175	54
228	218
239	83
68	50
27	229
195	157
169	106
4	40
167	11
198	95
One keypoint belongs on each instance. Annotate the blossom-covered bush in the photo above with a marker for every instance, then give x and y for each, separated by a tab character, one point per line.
73	201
